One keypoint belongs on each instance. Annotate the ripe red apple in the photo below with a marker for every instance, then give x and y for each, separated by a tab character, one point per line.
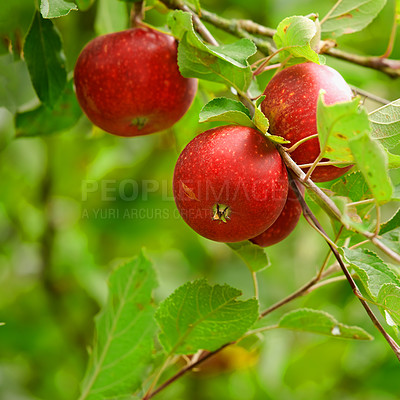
128	83
230	183
291	107
285	223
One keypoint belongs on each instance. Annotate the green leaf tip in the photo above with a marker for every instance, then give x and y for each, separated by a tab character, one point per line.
320	322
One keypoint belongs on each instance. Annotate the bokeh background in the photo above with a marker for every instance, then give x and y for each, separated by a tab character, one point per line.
77	203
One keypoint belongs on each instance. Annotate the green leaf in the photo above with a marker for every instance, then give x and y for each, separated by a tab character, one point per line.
393	223
393	159
315	321
260	120
385	124
337	123
56	8
83	5
254	256
45	121
397	12
351	217
227	63
262	123
199	316
353	186
124	333
45	60
15	85
392	239
372	161
111	16
226	110
389	300
372	271
295	35
349	16
198	6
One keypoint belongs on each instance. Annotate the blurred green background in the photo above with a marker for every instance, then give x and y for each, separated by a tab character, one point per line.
75	204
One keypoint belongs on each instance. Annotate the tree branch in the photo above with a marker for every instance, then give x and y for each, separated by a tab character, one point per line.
183	371
330	205
247	29
309	214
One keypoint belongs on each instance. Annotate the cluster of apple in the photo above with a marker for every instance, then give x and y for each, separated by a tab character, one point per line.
230	183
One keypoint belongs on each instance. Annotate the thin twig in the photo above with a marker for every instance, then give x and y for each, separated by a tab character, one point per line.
300	142
361	202
298	293
385	65
306	211
313	166
183	371
200	27
263	67
331	206
334	210
327	282
369	95
325	163
255	283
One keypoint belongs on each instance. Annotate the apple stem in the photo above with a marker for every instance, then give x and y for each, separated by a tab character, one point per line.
264	66
325	163
137	14
313	166
300	142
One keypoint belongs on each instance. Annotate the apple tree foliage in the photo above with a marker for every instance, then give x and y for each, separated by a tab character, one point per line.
137	338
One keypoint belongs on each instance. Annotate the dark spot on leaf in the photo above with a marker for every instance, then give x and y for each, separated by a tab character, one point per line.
340	135
347	15
328	149
285	28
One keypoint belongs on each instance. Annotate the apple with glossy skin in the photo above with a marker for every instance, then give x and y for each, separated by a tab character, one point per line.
291	107
128	83
285	223
230	183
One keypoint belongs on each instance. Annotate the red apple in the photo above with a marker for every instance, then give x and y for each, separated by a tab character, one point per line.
230	183
286	222
291	107
128	83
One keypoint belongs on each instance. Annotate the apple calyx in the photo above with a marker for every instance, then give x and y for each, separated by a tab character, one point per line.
139	122
221	212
